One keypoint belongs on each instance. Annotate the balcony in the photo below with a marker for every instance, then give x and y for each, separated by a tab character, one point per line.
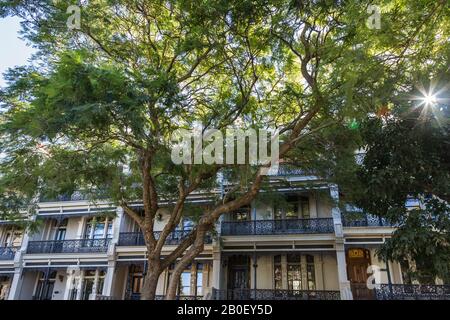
8	253
269	294
287	226
69	246
137	296
77	195
412	292
137	238
359	219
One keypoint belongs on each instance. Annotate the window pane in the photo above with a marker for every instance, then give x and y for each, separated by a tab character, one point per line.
87	233
99	230
305	208
200	283
294	277
278	283
292	210
185	283
110	227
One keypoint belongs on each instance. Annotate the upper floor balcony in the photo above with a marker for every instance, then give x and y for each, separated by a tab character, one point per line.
360	219
8	253
277	227
137	238
69	246
78	195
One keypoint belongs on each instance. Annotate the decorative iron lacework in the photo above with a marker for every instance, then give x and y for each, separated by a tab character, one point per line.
137	238
69	246
359	219
412	292
77	195
137	296
269	294
8	253
287	226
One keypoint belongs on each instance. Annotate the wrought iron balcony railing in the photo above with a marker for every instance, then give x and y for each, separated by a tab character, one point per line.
137	296
269	294
137	238
287	226
77	195
69	246
364	220
8	253
412	292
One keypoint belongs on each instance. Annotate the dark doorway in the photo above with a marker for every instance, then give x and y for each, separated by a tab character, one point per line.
239	277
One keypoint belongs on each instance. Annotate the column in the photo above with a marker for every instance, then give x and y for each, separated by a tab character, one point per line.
81	224
217	267
109	279
69	281
16	285
117	225
80	285
344	284
312	205
93	294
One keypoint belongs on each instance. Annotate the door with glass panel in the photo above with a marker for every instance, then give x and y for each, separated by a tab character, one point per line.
92	283
45	286
98	230
239	277
291	216
358	260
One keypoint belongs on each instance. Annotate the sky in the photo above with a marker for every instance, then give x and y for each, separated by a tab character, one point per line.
13	51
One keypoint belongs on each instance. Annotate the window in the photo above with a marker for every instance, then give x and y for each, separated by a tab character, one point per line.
310	272
13	238
199	289
278	279
44	288
184	288
89	281
287	210
191	282
294	272
304	205
299	268
242	214
98	228
136	279
60	229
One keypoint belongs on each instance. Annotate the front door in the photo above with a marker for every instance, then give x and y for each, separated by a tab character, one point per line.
358	260
238	277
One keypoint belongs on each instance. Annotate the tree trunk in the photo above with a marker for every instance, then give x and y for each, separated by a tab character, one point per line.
173	284
151	278
181	265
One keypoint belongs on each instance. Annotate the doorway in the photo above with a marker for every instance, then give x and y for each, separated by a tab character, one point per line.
238	277
358	260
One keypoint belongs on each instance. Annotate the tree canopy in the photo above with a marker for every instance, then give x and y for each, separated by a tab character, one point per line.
97	108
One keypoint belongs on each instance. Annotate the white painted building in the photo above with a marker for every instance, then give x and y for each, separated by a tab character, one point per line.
301	249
